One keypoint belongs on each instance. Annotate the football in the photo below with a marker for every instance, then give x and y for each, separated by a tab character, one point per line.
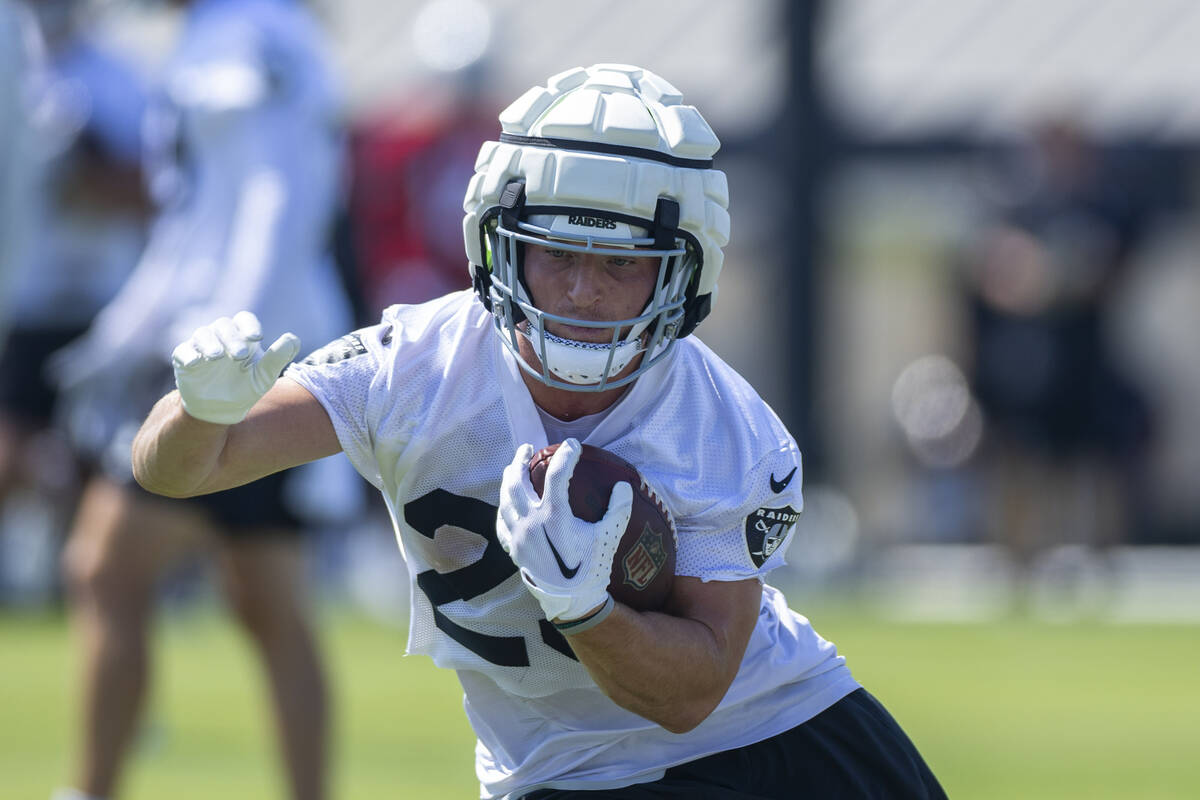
644	565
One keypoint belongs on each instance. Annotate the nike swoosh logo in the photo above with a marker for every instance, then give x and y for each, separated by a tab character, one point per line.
779	486
567	572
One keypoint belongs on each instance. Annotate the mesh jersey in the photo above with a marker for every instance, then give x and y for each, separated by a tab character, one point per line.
415	404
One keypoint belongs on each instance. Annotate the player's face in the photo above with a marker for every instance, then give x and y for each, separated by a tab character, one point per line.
588	286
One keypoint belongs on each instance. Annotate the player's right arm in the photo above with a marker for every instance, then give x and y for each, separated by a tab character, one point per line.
230	421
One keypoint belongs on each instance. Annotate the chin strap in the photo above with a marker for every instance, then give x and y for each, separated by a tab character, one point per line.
584	362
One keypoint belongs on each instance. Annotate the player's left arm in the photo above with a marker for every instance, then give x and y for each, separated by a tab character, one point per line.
231	419
673	668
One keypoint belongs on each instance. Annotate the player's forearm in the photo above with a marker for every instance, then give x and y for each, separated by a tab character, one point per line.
175	454
671	670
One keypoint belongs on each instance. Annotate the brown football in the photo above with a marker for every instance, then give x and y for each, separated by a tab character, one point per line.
644	564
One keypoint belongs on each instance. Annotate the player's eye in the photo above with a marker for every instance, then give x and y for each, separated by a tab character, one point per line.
554	252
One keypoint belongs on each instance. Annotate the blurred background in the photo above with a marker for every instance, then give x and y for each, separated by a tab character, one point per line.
963	271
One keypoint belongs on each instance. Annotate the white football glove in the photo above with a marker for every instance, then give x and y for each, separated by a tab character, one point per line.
564	561
221	370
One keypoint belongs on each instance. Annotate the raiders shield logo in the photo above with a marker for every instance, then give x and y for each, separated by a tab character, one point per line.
644	561
766	529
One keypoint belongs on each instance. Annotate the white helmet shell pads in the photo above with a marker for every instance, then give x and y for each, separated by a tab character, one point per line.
601	160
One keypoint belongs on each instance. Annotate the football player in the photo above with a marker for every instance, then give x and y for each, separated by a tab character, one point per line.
244	162
594	229
86	214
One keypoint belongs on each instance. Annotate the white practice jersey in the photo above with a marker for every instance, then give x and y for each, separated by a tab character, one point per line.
244	157
430	408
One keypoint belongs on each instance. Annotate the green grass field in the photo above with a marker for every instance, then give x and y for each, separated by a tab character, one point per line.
1005	710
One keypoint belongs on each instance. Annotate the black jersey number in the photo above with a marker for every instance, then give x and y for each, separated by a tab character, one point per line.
431	511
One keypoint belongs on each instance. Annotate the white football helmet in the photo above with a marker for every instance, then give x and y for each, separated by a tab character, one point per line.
600	160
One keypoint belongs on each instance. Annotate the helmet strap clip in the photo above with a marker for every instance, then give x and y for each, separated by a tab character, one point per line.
666	223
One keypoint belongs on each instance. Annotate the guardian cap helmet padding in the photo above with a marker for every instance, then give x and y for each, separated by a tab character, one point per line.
601	160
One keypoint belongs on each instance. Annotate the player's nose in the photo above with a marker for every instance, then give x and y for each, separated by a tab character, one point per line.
586	285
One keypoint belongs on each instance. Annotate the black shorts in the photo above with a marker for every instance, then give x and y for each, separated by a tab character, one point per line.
24	390
245	512
853	749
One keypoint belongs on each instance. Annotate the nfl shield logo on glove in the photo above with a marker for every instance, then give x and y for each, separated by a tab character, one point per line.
646	558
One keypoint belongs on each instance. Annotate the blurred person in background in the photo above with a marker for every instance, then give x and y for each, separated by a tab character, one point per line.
21	77
594	231
406	159
412	155
20	67
244	158
91	211
1068	429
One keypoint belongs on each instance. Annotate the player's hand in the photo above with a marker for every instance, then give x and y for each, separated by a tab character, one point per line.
221	370
564	561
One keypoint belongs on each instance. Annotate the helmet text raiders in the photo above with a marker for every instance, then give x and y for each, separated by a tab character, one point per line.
601	160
